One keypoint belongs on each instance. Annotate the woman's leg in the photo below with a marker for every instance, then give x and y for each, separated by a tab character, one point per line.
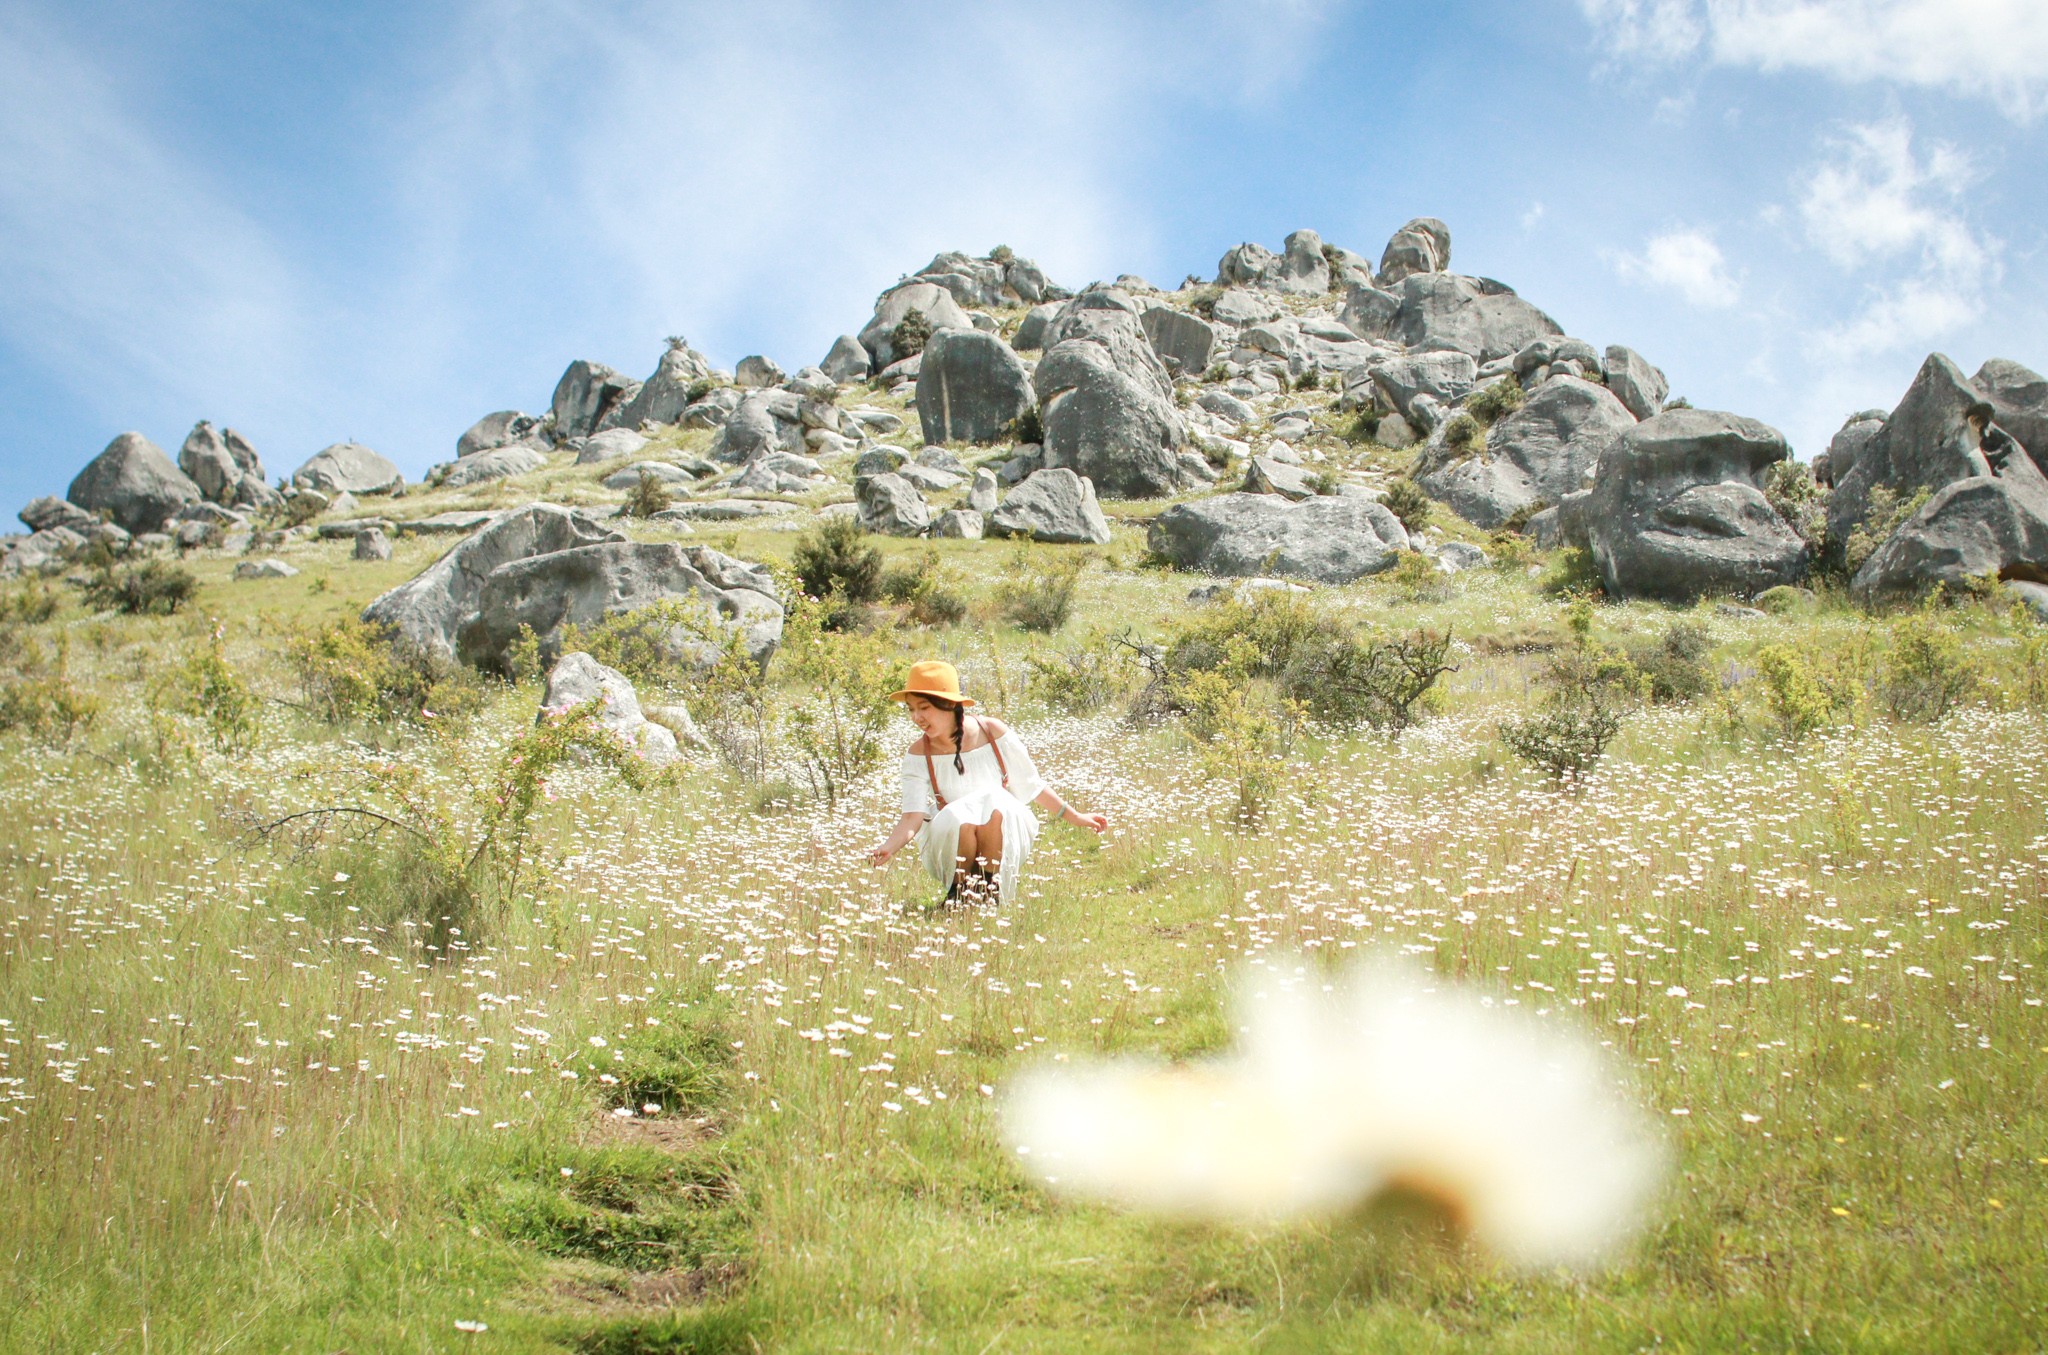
965	853
987	855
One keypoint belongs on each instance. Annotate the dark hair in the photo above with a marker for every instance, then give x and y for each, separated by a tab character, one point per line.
959	710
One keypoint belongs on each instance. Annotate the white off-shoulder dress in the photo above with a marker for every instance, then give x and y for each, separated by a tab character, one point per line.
971	796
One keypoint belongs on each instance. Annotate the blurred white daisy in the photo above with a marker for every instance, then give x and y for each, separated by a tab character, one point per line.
1382	1082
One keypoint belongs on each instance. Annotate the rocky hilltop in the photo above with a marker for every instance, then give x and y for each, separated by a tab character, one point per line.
1276	415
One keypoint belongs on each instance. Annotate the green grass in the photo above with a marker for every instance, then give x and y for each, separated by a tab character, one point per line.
243	1110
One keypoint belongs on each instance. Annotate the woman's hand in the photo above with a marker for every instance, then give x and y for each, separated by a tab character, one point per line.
881	855
1094	823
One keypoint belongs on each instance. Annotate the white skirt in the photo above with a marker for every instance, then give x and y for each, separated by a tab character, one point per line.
939	840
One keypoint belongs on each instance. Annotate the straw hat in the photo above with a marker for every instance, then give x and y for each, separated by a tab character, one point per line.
934	678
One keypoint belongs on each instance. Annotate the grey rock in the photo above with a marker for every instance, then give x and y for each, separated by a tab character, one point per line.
2019	403
938	458
1033	328
348	468
1846	447
1539	453
940	311
981	495
2034	595
1448	376
848	361
1544	529
51	511
212	513
1640	387
133	483
959	524
776	473
1240	306
971	387
1455	557
896	373
1053	505
1369	312
1421	246
1924	444
757	373
457	522
207	461
587	392
725	510
372	544
1678	510
1185	343
753	430
1243	590
585	584
929	479
1979	526
1303	270
881	421
1247	265
347	529
713	408
609	445
1227	405
1030	458
1327	539
1106	403
665	395
499	463
501	429
1396	432
878	461
666	472
1472	315
1265	475
577	679
264	569
891	506
432	608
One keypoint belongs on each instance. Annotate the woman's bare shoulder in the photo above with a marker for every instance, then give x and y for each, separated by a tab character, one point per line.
922	747
996	728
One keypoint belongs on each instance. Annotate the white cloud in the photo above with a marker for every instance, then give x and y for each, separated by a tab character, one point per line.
1685	260
1873	206
1995	49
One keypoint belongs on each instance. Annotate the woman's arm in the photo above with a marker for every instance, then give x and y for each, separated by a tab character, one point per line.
1050	801
906	829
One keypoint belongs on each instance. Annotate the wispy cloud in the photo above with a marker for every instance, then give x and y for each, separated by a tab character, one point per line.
1684	260
1994	49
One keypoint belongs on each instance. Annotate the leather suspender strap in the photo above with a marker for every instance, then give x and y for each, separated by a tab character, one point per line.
931	770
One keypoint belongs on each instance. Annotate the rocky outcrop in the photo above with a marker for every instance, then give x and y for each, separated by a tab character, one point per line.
1421	246
1052	505
890	505
2019	403
971	387
501	429
1185	343
1446	310
347	468
587	392
496	464
934	302
1974	528
1640	387
848	361
577	679
757	373
432	609
134	484
224	466
1539	453
609	445
1678	509
40	515
1923	444
1301	269
665	395
584	585
1846	447
1105	401
1325	539
1445	376
998	279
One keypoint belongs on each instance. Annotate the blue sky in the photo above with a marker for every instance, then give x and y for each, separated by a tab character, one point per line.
381	220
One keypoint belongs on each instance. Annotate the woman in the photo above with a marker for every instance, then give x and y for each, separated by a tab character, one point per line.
966	783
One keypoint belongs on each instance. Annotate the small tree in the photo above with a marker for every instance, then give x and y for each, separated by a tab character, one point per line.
647	497
836	726
1406	501
836	560
911	334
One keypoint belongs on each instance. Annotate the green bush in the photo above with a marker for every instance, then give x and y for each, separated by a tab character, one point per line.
647	497
1801	696
836	560
1496	401
1236	737
1887	511
210	688
1783	599
1417	579
1406	501
151	588
350	670
1574	573
1518	521
1039	593
835	728
910	336
1927	671
29	605
1346	679
1085	677
927	589
1028	427
1589	688
1325	482
1799	500
1465	435
49	708
1676	666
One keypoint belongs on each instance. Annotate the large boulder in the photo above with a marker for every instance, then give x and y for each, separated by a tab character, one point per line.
2019	403
501	429
1303	270
1421	246
890	505
609	445
665	395
848	361
496	464
432	608
1052	505
1640	387
1969	528
1924	444
40	515
1242	306
577	679
1845	449
1328	539
1185	343
219	463
971	387
1448	376
1035	325
1472	315
347	468
1247	265
1106	402
1369	312
587	392
1540	453
765	421
1264	475
134	484
1678	509
934	302
584	585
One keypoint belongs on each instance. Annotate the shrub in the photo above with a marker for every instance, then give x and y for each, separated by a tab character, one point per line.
300	509
909	337
835	560
209	687
1325	482
1518	521
1589	688
1926	671
1417	579
1347	680
30	605
1028	427
1406	501
1797	498
1574	573
1039	596
1234	739
1002	254
836	730
1465	435
1312	379
1508	553
1496	401
151	588
647	497
1800	696
1676	666
1083	678
1364	425
350	670
928	590
1888	510
1782	599
48	708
